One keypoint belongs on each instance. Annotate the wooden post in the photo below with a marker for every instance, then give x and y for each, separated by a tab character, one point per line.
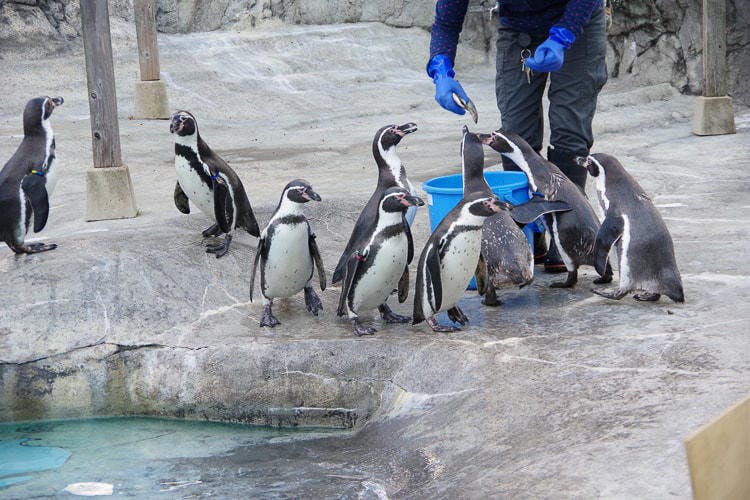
714	114
109	189
150	91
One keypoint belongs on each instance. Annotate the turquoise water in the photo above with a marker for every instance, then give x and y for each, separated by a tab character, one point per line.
133	454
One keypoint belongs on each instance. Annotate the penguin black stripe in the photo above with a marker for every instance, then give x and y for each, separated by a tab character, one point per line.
195	163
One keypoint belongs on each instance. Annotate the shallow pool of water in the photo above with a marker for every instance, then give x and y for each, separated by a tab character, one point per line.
132	456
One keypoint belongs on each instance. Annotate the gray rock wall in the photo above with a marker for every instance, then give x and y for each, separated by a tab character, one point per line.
649	43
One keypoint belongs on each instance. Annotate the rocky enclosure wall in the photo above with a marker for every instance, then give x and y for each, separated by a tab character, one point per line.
649	43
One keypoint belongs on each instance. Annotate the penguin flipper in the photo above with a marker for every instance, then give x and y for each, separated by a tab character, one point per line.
315	254
35	189
481	276
609	232
410	245
532	209
349	272
403	286
261	249
223	205
181	199
434	280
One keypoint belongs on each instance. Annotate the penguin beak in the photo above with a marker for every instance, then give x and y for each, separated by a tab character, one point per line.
468	106
57	101
485	139
406	128
310	195
412	201
176	124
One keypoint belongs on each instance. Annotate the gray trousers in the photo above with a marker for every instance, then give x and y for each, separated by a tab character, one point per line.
572	91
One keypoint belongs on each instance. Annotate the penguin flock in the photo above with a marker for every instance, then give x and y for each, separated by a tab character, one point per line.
479	238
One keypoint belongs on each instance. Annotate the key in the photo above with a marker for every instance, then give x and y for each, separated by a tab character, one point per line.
525	54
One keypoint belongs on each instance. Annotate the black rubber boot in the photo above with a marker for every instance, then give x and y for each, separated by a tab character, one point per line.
566	162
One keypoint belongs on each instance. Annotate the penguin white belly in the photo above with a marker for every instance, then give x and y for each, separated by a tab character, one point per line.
196	190
383	274
458	266
52	176
20	232
289	265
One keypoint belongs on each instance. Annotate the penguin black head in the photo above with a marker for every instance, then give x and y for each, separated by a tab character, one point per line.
471	148
499	140
601	163
398	199
183	124
481	205
391	135
300	191
37	111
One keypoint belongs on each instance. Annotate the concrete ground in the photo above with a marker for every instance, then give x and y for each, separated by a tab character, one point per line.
558	393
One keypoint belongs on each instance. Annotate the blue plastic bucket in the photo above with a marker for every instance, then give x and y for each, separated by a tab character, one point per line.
444	193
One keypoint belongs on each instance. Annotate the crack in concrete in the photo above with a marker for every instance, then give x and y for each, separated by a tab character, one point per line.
602	369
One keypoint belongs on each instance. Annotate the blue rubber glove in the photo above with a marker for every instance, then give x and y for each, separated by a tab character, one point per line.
549	56
441	71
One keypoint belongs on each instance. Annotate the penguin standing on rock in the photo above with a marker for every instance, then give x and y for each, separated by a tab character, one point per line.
506	255
631	222
205	179
574	231
380	264
29	177
288	254
450	258
391	173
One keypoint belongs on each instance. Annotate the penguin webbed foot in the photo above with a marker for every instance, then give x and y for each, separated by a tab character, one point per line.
33	248
211	231
312	301
456	315
647	297
360	329
268	318
436	327
490	298
391	317
222	248
606	277
569	282
616	294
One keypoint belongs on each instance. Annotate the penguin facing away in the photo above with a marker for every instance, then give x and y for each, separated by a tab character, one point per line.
391	172
288	254
632	223
29	177
380	263
506	256
207	181
449	259
574	231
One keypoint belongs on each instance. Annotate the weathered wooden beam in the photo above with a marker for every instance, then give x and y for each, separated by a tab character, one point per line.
100	76
714	114
145	29
109	190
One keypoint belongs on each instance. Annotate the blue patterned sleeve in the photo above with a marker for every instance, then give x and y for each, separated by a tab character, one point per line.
449	19
577	15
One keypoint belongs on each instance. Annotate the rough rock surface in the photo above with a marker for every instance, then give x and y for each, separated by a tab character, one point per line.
649	43
556	393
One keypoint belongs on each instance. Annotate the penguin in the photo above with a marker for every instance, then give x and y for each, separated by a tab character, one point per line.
380	264
506	256
574	231
204	178
288	254
449	259
632	223
29	177
391	172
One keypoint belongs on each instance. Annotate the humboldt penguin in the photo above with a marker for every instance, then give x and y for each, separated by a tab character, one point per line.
391	172
632	223
506	255
380	264
449	259
574	231
205	179
288	254
29	177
